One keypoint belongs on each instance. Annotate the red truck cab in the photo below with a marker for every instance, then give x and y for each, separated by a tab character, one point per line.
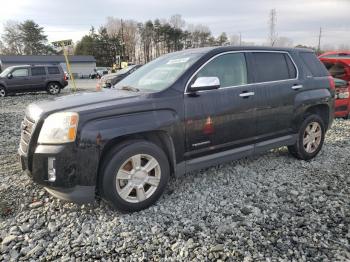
338	65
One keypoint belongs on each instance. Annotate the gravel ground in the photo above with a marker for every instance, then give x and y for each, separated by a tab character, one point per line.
270	208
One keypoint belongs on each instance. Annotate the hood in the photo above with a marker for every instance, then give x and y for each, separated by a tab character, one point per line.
73	102
111	76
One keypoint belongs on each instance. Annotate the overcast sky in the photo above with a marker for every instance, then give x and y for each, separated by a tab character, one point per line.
299	20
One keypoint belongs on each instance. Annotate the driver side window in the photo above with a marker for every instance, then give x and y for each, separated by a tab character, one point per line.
231	69
20	72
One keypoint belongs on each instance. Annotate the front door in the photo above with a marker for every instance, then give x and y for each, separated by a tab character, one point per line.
224	118
19	79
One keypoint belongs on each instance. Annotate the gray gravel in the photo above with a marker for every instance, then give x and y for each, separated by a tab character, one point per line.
272	207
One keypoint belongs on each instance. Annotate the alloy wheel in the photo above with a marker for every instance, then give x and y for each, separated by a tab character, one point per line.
2	92
54	89
312	137
138	178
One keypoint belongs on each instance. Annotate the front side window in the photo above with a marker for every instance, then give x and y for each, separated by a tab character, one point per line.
271	66
231	69
38	71
20	72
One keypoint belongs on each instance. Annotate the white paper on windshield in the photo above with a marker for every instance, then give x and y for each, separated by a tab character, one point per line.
178	61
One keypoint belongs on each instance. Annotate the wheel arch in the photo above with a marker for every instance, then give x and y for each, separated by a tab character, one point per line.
322	110
158	137
53	81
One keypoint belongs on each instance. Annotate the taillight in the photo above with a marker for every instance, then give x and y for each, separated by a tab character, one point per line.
342	93
331	82
65	77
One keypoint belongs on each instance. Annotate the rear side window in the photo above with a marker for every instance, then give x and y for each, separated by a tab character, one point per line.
38	71
271	66
53	70
229	68
312	64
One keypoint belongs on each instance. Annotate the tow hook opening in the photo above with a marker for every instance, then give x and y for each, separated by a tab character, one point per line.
51	169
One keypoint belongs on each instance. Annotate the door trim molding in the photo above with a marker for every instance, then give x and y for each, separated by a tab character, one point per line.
234	154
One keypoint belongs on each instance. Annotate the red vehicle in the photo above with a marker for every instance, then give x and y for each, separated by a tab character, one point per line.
338	65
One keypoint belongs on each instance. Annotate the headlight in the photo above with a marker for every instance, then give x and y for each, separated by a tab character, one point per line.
59	128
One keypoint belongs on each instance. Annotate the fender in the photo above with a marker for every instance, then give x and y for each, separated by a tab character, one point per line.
308	99
96	134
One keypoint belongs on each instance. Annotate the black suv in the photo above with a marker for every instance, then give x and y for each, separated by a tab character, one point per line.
183	111
28	78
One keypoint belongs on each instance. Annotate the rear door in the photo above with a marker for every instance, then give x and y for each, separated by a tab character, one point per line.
54	74
38	77
277	84
221	119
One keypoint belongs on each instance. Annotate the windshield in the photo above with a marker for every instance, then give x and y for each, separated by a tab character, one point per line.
5	72
159	73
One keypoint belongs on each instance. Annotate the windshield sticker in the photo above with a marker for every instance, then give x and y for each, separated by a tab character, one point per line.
178	61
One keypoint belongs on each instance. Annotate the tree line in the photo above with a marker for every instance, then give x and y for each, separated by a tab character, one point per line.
127	40
140	42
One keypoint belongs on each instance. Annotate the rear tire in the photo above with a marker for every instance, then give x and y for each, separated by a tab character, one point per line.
53	88
3	91
310	138
134	175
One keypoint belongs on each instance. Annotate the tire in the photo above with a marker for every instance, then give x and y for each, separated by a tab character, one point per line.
53	88
124	182
3	91
310	138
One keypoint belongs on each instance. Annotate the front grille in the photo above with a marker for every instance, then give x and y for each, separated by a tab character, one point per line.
27	127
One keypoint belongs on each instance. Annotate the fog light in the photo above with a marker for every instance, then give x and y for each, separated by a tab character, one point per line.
51	170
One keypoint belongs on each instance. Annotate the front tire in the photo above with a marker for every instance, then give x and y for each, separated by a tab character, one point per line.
3	92
53	88
134	175
310	138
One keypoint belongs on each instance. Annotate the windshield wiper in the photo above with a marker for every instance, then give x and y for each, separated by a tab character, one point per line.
130	88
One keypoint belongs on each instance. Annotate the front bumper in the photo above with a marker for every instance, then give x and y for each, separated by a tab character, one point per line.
69	184
77	194
342	107
65	83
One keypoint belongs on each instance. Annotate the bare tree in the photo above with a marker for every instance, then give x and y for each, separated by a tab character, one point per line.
176	21
328	47
283	42
12	39
272	37
199	35
126	31
113	26
2	47
343	47
234	40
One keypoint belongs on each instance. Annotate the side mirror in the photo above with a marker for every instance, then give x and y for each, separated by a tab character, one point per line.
205	83
9	76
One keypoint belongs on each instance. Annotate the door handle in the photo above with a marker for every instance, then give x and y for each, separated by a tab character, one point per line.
297	87
247	94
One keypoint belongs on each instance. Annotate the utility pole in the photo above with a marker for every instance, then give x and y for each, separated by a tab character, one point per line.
319	41
240	39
